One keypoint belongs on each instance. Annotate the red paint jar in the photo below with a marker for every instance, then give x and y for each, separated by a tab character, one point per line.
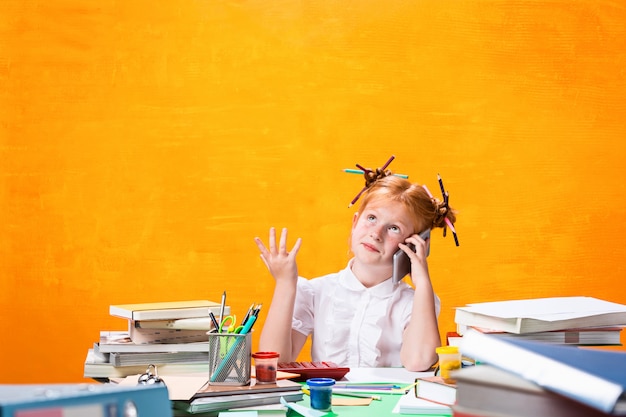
265	364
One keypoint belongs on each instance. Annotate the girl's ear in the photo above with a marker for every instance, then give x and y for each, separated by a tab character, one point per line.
354	219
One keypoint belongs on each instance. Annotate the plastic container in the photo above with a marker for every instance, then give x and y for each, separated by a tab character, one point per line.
321	392
449	360
265	364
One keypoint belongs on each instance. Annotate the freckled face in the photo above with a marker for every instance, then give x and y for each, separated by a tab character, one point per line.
377	231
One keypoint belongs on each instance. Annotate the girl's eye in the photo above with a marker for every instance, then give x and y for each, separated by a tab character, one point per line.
394	229
371	218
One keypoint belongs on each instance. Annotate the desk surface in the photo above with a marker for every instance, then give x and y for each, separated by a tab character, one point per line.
381	408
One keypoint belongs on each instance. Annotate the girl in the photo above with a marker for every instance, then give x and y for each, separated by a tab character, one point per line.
358	317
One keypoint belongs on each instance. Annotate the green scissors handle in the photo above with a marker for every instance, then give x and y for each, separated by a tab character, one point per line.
228	324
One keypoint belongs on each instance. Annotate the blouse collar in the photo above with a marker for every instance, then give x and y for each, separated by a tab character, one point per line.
351	282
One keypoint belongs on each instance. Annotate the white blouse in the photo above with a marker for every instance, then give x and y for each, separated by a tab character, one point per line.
350	324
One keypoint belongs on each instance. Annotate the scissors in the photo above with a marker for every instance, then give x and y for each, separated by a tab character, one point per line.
228	325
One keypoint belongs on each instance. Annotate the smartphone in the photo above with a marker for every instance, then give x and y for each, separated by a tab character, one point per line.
401	261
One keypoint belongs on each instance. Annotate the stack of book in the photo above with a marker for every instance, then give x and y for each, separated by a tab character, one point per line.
215	398
537	357
171	335
579	321
517	378
432	395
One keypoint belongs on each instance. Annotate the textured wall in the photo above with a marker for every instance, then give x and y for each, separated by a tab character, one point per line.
144	144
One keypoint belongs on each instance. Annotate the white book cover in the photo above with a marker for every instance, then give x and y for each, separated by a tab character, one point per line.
541	314
410	404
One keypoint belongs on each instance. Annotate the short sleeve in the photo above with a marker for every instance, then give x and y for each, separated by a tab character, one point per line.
303	317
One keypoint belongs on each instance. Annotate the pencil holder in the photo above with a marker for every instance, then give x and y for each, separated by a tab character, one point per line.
229	358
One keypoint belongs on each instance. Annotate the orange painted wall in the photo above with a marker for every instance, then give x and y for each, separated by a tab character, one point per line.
144	144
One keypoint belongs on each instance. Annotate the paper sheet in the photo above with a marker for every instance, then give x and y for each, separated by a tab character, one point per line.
387	375
547	309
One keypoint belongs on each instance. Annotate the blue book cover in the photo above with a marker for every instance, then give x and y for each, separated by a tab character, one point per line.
93	400
594	377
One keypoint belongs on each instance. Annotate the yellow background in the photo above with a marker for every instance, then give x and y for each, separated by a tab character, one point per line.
143	144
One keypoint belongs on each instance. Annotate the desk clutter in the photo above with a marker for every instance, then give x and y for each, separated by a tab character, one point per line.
536	357
171	335
541	357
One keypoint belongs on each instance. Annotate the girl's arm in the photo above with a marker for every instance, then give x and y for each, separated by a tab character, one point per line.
277	334
421	336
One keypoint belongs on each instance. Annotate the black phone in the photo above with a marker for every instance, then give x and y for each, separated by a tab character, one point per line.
401	261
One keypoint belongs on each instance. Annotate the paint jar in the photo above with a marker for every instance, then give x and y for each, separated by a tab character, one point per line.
449	360
265	364
321	391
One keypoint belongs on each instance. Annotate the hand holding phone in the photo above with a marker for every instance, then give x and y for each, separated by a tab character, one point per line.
402	262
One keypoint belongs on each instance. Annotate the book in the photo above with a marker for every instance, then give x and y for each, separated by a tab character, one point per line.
78	400
130	359
593	377
222	397
97	369
206	405
166	310
194	323
586	336
484	390
140	335
410	404
261	410
435	388
541	314
120	341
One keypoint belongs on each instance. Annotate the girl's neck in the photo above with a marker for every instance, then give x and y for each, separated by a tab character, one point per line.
367	275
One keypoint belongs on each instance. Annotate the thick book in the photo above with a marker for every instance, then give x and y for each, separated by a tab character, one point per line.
141	335
410	404
222	397
214	404
131	359
96	368
120	341
92	400
541	314
435	388
484	390
169	310
585	336
593	377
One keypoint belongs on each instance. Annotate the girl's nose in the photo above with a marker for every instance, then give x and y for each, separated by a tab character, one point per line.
375	233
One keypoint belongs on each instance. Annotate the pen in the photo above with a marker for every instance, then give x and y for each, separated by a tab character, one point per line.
368	386
222	306
348	394
250	309
357	395
216	325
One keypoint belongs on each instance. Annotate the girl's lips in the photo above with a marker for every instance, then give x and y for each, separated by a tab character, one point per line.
370	248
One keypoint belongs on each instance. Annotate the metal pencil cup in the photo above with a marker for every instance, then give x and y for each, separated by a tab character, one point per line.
229	358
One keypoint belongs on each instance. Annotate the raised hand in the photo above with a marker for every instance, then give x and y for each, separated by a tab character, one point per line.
280	262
